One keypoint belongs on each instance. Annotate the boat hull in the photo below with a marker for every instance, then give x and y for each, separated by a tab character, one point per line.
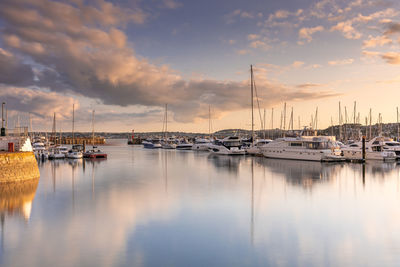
301	154
222	150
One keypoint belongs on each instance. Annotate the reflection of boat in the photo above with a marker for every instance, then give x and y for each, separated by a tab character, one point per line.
303	173
17	198
313	148
231	145
225	162
374	150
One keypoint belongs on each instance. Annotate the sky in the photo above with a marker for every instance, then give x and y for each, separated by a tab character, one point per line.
127	59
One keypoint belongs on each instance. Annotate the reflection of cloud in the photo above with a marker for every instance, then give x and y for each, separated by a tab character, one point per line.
101	223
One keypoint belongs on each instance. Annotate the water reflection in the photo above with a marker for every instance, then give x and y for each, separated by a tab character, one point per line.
177	208
16	198
226	163
16	202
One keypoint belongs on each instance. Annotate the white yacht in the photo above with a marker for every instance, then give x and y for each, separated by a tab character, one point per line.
314	148
168	144
374	150
74	154
184	145
56	153
256	148
63	149
201	144
231	145
151	143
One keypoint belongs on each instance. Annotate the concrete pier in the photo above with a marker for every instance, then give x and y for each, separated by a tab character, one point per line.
18	167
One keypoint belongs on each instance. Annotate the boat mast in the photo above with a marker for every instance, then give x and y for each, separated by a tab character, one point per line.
398	127
264	125
93	127
340	122
284	119
370	123
209	120
166	121
272	123
252	105
54	131
73	122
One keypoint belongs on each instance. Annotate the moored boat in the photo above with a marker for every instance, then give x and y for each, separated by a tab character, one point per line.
313	148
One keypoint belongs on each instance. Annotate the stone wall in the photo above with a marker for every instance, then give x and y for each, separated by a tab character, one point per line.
18	167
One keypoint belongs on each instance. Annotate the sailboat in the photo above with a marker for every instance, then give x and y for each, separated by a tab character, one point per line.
54	151
203	144
74	153
167	143
94	152
255	147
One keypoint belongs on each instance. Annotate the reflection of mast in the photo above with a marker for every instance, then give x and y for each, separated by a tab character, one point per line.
73	187
92	180
53	172
2	230
252	202
166	172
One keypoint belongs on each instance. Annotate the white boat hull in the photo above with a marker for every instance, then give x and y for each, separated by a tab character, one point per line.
222	150
201	147
357	155
301	154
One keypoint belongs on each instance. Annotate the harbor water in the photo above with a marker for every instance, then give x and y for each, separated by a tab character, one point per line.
143	207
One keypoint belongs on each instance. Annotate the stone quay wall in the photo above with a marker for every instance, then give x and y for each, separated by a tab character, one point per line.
18	167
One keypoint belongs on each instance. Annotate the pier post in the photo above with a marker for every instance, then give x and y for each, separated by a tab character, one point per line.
363	148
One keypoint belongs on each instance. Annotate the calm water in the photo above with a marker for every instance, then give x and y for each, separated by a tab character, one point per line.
181	208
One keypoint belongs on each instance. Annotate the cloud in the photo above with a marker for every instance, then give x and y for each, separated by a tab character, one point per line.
391	58
393	28
347	29
171	4
242	52
12	70
341	62
231	17
376	41
259	44
253	37
306	33
297	64
91	57
370	53
308	85
37	102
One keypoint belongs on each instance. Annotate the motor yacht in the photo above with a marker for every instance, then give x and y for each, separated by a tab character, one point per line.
151	143
314	148
94	153
184	145
56	153
256	148
74	154
201	144
374	150
231	145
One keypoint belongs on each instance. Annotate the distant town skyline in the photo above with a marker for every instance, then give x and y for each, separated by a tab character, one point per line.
127	59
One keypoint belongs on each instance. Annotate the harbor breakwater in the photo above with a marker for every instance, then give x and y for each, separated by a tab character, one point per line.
18	167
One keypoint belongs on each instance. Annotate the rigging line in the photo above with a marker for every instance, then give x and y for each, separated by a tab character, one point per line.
258	104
